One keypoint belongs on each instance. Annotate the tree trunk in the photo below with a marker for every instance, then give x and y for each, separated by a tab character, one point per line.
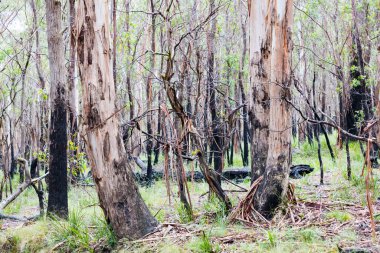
118	194
160	101
243	97
377	93
360	98
114	41
149	93
260	65
216	125
129	70
177	106
275	182
57	202
72	96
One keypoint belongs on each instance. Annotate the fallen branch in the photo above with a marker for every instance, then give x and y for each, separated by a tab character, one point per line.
28	182
10	217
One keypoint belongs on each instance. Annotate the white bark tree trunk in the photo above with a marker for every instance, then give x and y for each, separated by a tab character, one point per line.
111	169
260	64
275	183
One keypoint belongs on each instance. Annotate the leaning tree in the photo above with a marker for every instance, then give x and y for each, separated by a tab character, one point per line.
119	197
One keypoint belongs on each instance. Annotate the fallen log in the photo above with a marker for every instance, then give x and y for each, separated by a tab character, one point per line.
299	171
296	172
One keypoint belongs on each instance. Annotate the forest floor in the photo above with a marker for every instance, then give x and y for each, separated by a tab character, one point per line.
330	218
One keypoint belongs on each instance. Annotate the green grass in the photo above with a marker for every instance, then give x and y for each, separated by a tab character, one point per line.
203	244
339	215
73	232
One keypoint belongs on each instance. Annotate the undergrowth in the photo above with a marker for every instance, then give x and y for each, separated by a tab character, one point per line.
86	230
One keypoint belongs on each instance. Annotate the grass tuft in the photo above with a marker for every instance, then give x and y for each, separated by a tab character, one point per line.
72	233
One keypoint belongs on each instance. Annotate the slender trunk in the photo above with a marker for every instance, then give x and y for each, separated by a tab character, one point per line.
377	94
72	94
13	159
348	157
160	101
114	41
243	97
317	130
216	125
23	99
149	93
177	106
129	70
43	103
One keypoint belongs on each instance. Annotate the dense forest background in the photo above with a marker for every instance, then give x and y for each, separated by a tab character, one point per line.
202	107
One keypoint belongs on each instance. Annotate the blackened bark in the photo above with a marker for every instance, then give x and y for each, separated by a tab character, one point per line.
243	97
33	168
317	130
217	130
348	159
13	160
360	93
157	146
57	202
160	101
149	94
273	188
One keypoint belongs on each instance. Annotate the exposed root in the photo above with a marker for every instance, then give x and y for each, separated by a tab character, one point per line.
245	211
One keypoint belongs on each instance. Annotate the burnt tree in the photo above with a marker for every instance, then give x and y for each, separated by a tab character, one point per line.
57	202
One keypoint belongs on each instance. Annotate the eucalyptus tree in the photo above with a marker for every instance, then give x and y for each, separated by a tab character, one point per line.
118	194
260	46
57	202
270	32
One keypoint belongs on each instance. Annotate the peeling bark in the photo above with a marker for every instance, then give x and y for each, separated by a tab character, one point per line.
260	15
118	194
271	191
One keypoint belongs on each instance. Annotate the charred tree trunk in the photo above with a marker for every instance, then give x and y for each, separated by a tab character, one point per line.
360	97
57	202
216	150
118	194
160	101
149	94
317	130
243	97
